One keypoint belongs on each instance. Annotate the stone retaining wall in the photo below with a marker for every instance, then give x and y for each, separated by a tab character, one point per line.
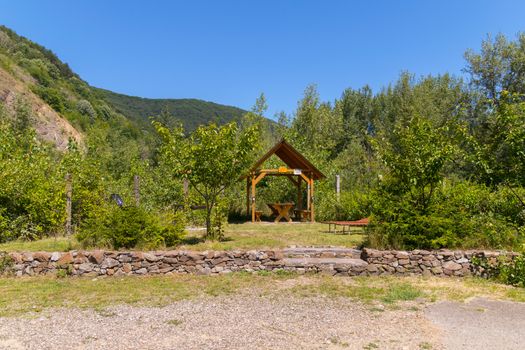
332	261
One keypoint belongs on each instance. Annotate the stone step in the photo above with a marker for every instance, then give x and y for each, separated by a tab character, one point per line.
302	262
329	252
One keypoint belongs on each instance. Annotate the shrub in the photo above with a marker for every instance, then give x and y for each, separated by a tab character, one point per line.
85	108
513	272
461	214
349	206
130	227
508	271
51	96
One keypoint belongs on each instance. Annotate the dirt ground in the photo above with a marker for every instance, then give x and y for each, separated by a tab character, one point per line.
244	322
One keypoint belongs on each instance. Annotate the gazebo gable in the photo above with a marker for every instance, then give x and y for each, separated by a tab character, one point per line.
291	157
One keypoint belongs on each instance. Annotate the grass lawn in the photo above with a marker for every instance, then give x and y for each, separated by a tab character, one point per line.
58	244
21	295
237	236
271	235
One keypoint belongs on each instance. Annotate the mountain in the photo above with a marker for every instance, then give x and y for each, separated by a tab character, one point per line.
63	107
191	112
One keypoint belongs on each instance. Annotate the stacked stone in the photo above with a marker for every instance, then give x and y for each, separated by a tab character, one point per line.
424	262
99	263
332	261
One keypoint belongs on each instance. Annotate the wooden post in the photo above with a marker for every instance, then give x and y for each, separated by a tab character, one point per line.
299	194
338	186
248	196
308	196
186	188
136	189
253	199
312	213
69	191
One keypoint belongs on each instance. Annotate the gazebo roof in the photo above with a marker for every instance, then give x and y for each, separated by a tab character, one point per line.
292	158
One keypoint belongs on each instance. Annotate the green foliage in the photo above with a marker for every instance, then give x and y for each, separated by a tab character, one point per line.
212	159
507	270
129	227
6	263
513	272
51	96
31	197
463	214
435	162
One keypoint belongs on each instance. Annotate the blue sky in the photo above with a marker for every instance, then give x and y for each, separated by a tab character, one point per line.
231	51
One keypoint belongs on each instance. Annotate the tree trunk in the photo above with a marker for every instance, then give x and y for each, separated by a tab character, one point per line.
209	229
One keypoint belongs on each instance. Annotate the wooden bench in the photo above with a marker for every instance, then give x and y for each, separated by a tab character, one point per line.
302	215
357	223
258	214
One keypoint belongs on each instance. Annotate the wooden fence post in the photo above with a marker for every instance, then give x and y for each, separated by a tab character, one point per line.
186	189
338	186
136	189
69	190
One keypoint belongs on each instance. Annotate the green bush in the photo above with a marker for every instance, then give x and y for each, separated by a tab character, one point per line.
513	272
505	270
462	214
130	227
52	97
349	206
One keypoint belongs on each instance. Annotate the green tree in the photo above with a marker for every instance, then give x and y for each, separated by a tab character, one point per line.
499	66
415	156
500	154
212	158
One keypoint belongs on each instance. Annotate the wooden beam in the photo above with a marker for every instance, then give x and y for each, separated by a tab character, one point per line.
312	212
308	196
253	199
299	195
260	177
248	196
306	178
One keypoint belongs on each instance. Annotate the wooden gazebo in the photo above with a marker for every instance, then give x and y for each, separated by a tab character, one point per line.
297	170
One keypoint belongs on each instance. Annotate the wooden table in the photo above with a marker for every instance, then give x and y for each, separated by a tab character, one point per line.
281	210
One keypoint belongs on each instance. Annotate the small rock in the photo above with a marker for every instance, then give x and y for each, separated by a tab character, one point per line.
150	257
97	256
109	263
55	256
65	259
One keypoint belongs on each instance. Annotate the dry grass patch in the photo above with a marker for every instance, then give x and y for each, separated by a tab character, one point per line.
21	295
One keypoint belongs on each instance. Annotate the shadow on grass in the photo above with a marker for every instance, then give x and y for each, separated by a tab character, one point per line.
197	240
192	240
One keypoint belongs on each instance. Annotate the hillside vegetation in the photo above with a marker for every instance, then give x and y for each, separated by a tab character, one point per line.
191	112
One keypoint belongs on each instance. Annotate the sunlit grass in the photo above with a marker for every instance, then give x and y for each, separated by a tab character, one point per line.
58	244
272	235
237	236
22	295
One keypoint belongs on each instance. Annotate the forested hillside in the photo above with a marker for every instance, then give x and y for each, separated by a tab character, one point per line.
191	112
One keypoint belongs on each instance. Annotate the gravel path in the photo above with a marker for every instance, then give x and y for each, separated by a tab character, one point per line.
237	322
480	324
